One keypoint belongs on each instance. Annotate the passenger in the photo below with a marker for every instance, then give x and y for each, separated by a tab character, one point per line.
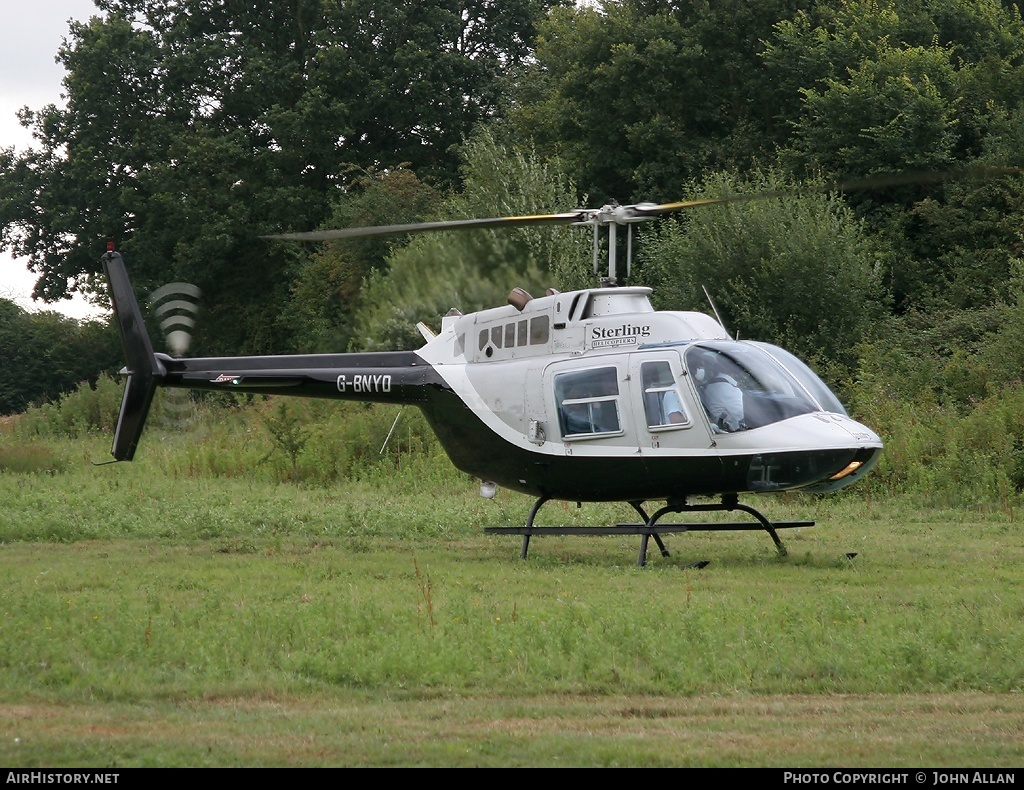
661	405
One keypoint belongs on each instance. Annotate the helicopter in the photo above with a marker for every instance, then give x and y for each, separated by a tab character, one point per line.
583	396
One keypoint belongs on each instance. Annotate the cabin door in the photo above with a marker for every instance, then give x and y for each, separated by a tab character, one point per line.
665	410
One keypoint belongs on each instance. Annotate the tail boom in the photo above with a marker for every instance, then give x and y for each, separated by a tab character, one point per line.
382	377
401	377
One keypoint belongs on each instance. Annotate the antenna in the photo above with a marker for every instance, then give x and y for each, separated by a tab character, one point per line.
393	426
713	308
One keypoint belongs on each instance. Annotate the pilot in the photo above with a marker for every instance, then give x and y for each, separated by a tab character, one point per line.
720	393
671	407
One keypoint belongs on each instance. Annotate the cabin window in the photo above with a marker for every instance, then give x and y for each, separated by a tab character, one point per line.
539	330
662	403
588	403
516	333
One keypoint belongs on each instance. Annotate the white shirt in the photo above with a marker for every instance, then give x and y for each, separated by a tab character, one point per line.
724	402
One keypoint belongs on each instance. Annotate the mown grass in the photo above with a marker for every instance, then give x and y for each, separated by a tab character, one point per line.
158	613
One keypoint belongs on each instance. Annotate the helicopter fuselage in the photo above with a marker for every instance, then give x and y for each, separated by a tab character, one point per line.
588	396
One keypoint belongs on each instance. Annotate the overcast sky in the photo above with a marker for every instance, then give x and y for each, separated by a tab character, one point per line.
30	35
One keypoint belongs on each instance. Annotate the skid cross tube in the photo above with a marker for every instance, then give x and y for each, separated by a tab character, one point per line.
651	528
729	502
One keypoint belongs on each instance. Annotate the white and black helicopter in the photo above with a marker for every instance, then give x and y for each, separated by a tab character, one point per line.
583	396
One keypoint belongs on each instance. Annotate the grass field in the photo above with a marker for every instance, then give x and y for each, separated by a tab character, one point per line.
151	616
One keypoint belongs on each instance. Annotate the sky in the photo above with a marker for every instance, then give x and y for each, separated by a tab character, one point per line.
30	35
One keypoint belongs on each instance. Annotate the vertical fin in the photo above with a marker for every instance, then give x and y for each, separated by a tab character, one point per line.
144	370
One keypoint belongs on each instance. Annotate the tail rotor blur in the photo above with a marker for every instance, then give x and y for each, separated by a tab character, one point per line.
176	306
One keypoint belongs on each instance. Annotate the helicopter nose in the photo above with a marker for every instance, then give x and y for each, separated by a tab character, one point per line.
863	461
818	453
857	431
817	470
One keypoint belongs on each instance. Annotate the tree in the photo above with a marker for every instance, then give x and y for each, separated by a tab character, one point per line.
797	271
476	269
194	127
893	113
638	96
891	87
326	292
47	354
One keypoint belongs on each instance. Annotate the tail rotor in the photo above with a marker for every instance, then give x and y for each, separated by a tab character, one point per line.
175	306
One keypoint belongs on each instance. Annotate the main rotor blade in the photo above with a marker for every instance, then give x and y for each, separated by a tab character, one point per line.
567	218
625	215
851	185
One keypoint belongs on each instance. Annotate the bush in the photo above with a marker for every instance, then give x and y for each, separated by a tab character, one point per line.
317	443
948	454
89	409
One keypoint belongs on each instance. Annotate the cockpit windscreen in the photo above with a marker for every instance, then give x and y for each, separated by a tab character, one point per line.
748	385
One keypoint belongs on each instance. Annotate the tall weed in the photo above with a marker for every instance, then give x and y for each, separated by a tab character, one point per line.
312	443
947	456
28	458
90	408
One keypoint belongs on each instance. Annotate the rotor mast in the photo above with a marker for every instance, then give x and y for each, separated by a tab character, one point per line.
610	216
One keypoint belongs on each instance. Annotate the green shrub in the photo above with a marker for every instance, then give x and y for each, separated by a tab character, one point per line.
948	454
316	443
89	409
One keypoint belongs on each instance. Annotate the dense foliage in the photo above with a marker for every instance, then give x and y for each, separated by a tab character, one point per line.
46	355
194	127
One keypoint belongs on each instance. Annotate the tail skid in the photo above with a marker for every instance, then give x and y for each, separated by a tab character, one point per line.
144	370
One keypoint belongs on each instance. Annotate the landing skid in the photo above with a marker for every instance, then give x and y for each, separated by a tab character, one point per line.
650	528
